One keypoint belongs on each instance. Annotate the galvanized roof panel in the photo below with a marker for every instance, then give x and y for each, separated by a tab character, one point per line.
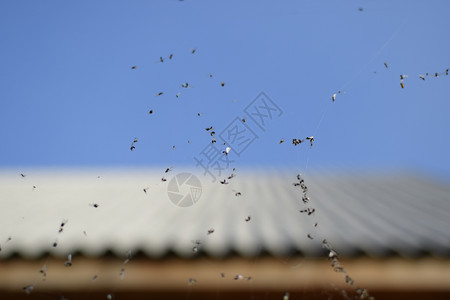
376	214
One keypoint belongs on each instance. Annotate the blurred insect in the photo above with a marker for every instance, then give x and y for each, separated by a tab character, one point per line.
132	144
386	65
173	147
178	95
145	190
248	219
94	278
122	273
227	150
243	120
61	227
68	263
305	199
231	176
128	255
296	142
161	59
222	275
168	169
34	187
333	97
239	277
55	244
191	281
281	141
332	255
196	246
311	140
363	293
360	9
109	296
171	56
159	94
193	50
213	140
185	85
133	67
95	205
28	289
238	194
84	232
349	280
401	80
421	77
286	296
23	175
210	231
315	224
224	181
309	211
310	236
209	128
163	179
222	83
339	269
150	111
43	271
212	133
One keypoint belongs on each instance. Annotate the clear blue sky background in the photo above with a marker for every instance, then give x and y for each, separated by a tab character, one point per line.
68	96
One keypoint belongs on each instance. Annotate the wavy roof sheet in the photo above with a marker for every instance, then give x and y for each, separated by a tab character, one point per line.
373	214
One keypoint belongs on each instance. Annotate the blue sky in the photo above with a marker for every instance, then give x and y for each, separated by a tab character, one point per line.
68	95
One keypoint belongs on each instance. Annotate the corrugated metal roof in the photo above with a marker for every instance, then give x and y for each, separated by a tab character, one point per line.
375	214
